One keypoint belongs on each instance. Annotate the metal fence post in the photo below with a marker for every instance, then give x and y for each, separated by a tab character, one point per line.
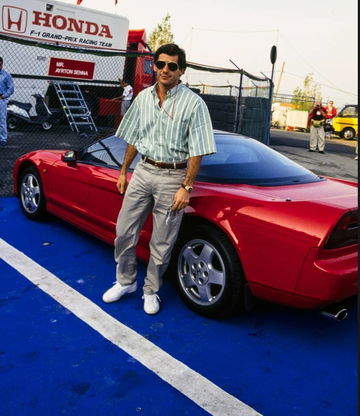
238	104
273	55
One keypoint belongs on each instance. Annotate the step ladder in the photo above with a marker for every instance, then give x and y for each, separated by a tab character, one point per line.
75	108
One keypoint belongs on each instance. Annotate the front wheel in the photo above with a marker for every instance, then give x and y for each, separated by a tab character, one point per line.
208	272
348	133
32	198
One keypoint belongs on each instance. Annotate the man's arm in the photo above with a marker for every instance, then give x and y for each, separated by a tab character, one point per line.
129	156
182	197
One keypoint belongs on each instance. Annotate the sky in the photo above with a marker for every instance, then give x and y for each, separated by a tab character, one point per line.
312	37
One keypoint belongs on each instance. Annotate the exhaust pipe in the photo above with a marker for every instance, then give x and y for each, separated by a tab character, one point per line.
336	312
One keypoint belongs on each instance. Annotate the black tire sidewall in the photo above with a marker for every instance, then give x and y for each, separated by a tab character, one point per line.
12	123
230	301
348	130
40	213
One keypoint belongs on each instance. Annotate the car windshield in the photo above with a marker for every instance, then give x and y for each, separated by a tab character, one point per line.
241	160
238	160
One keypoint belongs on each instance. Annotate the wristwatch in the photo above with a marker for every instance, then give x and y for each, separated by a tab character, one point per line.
187	188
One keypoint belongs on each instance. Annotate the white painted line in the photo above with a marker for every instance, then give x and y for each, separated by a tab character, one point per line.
190	383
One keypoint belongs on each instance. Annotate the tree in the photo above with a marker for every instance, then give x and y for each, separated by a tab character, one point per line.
303	98
161	34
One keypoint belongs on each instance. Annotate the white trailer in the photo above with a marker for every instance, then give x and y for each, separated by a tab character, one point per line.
56	23
284	116
296	120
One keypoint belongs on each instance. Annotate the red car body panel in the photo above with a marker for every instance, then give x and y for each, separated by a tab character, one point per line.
278	232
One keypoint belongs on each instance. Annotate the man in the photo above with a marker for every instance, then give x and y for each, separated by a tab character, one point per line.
330	113
126	97
6	89
317	132
170	126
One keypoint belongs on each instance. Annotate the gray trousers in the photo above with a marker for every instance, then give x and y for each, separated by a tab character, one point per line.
317	138
150	189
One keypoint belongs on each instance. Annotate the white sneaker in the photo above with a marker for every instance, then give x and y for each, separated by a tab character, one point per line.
151	304
117	291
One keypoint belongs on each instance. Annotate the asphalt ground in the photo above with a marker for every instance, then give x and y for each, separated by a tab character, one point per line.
64	352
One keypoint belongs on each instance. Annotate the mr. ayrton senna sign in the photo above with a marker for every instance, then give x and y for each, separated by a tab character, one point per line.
55	22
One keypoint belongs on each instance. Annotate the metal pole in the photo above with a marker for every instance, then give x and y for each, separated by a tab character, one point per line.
238	109
273	55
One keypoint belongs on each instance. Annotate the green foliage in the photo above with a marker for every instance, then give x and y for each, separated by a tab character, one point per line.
303	98
161	34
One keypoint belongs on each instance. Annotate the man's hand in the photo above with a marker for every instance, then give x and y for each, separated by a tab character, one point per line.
122	183
181	200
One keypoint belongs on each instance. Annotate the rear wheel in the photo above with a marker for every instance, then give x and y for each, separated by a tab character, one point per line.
208	272
348	133
12	123
32	198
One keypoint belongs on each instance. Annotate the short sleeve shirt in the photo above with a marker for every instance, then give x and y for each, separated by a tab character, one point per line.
179	129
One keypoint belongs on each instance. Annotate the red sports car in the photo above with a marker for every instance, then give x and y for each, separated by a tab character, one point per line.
258	225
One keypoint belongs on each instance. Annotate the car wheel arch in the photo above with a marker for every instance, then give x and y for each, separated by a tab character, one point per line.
32	197
350	130
197	229
20	172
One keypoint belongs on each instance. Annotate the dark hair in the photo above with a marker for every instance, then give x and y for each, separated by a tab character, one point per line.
1	59
172	49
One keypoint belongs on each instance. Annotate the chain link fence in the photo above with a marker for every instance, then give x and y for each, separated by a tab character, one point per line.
238	101
39	119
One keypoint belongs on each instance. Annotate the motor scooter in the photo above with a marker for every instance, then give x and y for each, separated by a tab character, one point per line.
18	114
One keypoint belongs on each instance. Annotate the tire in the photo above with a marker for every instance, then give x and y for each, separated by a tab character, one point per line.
348	133
208	273
32	198
46	125
12	123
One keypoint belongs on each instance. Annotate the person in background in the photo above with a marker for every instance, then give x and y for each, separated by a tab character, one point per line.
6	89
170	126
126	97
317	132
356	149
331	112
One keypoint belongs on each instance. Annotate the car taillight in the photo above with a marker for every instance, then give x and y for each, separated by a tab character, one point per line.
345	233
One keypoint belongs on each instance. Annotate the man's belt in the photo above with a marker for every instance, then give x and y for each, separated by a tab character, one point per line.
164	165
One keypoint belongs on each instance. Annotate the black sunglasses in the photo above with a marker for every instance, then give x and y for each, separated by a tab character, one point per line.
173	66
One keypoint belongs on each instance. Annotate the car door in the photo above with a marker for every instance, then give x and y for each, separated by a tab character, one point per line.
103	201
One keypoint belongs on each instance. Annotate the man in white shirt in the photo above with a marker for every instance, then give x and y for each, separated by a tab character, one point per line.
126	97
170	126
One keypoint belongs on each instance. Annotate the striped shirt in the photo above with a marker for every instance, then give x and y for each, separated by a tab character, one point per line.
179	129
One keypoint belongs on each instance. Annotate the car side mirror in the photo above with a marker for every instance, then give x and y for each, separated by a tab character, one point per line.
70	156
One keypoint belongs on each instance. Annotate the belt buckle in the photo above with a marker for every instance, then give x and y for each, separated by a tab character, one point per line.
157	163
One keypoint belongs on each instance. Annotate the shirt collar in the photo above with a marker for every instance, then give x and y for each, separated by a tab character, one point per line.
171	92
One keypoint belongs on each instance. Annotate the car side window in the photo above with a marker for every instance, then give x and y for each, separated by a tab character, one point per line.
350	111
107	152
104	152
